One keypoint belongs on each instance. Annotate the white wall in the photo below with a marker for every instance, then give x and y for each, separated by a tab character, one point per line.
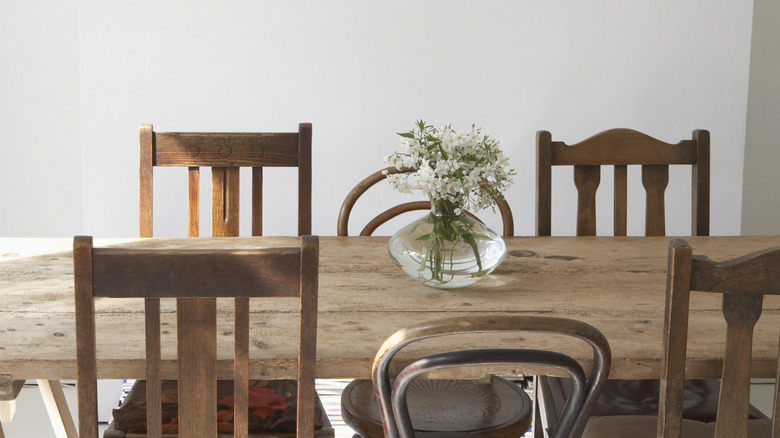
40	133
362	71
761	199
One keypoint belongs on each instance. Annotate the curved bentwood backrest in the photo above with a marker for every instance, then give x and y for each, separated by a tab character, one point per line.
373	224
579	406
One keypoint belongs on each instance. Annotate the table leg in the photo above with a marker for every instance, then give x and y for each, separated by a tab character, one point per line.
57	407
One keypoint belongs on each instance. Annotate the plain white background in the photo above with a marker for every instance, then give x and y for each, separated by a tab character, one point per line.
78	77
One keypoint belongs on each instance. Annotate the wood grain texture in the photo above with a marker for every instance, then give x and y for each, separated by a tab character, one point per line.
197	358
145	178
214	149
621	200
675	339
616	284
241	369
307	335
543	183
225	153
86	352
304	178
586	179
138	273
655	178
152	375
622	146
619	148
741	308
193	204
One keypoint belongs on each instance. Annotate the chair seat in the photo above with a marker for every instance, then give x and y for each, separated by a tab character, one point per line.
499	407
272	410
644	426
640	397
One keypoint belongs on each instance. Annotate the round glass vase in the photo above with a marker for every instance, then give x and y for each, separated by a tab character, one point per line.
447	250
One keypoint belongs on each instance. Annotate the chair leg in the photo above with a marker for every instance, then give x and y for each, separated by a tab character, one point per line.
548	418
57	407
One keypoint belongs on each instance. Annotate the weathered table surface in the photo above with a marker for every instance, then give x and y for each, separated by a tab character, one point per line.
616	284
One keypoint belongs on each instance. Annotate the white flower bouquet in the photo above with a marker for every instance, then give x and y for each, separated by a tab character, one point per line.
458	171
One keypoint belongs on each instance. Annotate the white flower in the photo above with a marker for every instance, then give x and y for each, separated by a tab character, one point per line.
465	168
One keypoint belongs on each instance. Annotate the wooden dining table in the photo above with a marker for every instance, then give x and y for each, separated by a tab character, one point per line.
617	284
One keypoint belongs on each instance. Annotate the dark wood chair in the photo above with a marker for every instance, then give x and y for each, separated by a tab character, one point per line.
373	224
358	405
743	282
621	148
195	278
392	396
225	153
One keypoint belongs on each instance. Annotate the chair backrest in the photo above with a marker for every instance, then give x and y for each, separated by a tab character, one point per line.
195	278
619	148
225	153
373	224
743	282
579	407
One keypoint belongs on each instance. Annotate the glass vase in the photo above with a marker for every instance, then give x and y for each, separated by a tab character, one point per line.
447	250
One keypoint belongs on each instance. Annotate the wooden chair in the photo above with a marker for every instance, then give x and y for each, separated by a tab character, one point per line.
392	396
743	282
225	153
363	186
358	405
620	148
195	278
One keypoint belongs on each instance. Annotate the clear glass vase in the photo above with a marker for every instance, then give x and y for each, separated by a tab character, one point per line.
447	250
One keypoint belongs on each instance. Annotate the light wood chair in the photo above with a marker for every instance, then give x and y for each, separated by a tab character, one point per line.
358	404
225	153
392	396
620	148
743	282
195	278
373	224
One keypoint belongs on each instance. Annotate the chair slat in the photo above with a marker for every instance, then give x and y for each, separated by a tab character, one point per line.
224	201
307	352
304	179
196	327
193	174
621	199
257	201
225	149
145	177
153	380
543	184
741	312
700	186
675	339
86	352
655	178
132	273
586	179
241	369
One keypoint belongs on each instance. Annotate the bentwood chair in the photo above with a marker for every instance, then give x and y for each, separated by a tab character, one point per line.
392	396
373	224
358	405
743	283
195	278
621	148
